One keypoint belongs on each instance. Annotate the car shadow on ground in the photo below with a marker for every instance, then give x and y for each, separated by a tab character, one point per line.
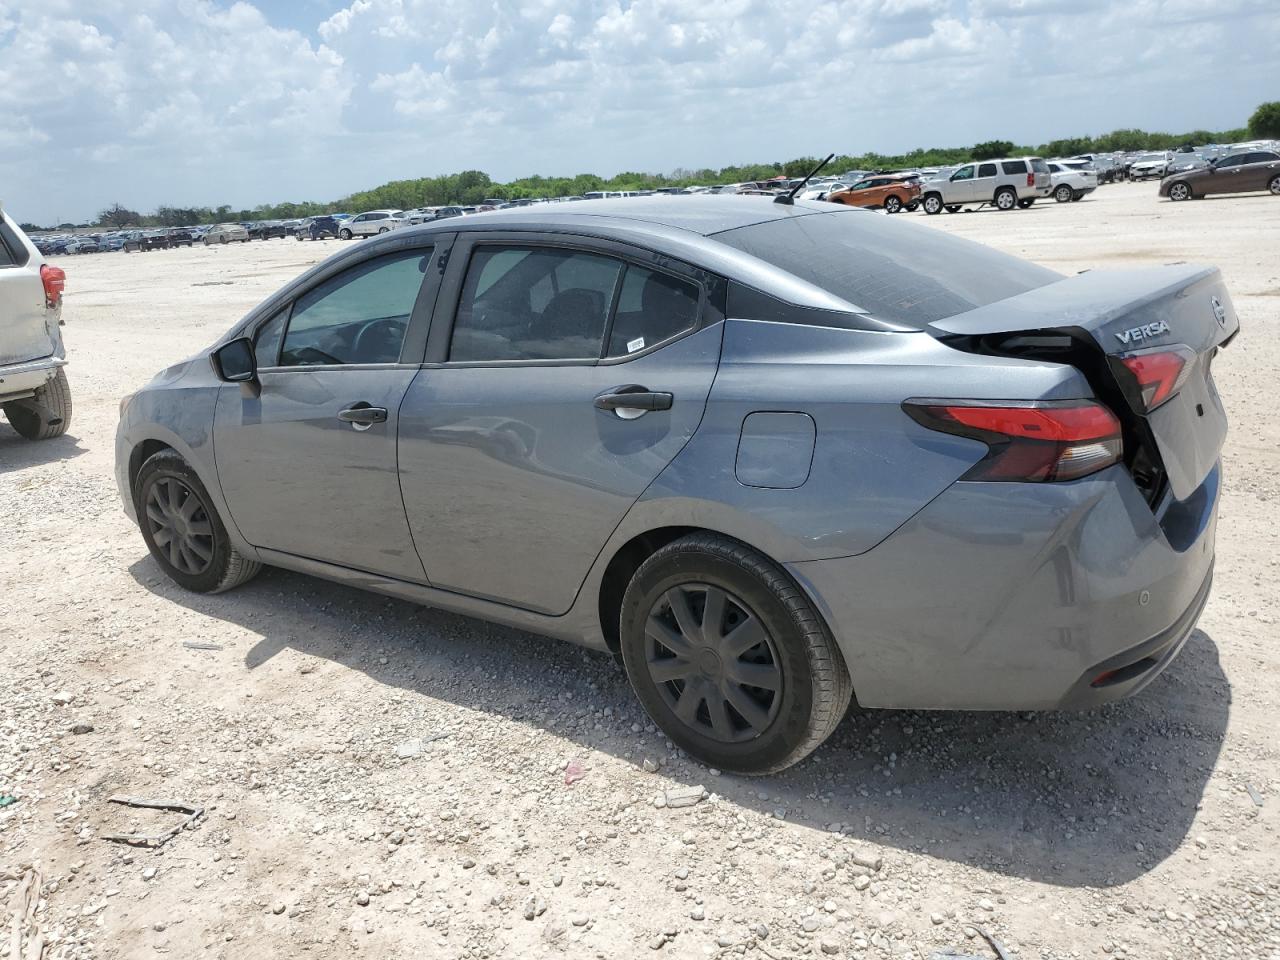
1071	799
19	453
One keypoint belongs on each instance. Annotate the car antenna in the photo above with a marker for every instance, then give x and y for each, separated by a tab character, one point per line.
789	198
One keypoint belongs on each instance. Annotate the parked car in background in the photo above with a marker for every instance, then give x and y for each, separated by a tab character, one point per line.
1150	165
180	237
372	222
632	425
316	228
34	393
226	233
1237	173
153	240
132	241
1071	182
267	230
1005	184
821	190
894	192
82	245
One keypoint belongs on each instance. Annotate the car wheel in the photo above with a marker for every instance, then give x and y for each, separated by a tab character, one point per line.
953	208
1062	193
1006	199
932	204
729	658
344	234
182	529
382	230
1274	186
47	414
1077	196
1024	204
892	205
223	238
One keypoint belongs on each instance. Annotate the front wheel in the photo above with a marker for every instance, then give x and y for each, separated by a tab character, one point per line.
344	234
1006	199
932	204
1274	186
892	205
223	238
953	208
45	415
729	658
182	529
1062	193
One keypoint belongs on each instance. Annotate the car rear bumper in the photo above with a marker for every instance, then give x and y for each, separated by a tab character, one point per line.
23	379
1019	596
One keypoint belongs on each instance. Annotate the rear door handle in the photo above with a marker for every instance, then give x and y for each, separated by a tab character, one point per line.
362	415
632	400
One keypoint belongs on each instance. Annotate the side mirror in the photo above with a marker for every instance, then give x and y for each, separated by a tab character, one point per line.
235	362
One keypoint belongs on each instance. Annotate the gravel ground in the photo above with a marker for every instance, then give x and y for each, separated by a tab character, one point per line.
391	781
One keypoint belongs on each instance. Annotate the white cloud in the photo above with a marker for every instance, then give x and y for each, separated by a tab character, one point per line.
211	101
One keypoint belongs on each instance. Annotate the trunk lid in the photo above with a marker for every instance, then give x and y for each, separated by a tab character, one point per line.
1112	314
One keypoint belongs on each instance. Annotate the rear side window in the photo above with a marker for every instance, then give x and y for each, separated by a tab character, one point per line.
13	252
534	303
987	170
900	272
1014	166
651	308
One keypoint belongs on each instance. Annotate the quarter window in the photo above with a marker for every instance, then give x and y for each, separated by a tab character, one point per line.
534	303
1014	166
651	308
357	316
266	342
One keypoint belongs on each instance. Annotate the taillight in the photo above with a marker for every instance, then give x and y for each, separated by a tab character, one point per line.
1158	374
54	280
1029	442
1031	179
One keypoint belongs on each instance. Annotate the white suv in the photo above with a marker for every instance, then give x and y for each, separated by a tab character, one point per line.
374	221
1005	184
1150	165
1072	179
34	393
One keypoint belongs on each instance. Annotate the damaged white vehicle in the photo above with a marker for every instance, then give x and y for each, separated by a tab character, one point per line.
34	393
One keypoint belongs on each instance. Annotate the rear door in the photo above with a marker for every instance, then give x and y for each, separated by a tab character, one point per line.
24	319
568	373
984	182
1258	169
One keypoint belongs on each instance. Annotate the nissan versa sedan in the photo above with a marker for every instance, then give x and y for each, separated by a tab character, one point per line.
777	457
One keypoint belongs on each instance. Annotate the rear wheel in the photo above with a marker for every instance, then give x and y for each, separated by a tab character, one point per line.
1274	186
182	529
932	204
47	414
892	204
1062	193
1024	204
223	238
1006	199
729	658
953	208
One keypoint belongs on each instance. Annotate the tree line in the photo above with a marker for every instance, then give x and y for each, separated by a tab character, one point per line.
471	187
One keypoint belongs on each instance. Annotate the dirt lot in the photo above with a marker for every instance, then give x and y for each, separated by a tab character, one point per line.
1145	830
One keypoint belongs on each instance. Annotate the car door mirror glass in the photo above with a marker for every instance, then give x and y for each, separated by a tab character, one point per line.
235	362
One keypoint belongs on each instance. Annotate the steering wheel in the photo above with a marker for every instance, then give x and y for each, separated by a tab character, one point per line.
379	338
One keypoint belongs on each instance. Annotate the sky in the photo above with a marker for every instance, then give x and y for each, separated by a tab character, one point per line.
205	102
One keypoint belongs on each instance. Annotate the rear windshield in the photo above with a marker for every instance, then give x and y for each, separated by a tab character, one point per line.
905	273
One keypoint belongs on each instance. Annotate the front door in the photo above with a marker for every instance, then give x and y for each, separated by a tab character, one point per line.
961	189
572	375
309	466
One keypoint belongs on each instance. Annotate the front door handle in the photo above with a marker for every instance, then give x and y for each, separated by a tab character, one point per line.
632	400
362	415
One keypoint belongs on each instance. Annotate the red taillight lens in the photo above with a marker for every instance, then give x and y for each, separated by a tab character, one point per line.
54	280
1033	442
1159	373
1031	179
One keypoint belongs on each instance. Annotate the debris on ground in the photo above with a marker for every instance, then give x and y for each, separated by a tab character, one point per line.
573	772
156	839
1254	795
24	925
202	645
950	953
678	797
7	799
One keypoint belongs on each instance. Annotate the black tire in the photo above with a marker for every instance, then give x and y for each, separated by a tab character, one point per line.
749	729
1006	198
1273	185
1062	193
222	238
932	204
170	478
382	230
31	418
1077	196
1024	204
953	208
892	204
344	234
1180	191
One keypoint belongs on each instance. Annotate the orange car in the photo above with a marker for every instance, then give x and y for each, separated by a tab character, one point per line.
893	191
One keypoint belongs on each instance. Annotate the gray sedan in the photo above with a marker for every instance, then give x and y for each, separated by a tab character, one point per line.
777	457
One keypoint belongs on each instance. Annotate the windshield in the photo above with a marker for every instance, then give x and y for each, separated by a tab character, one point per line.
1150	157
900	272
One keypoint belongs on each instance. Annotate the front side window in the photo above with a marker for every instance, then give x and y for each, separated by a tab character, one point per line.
357	316
534	303
964	173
